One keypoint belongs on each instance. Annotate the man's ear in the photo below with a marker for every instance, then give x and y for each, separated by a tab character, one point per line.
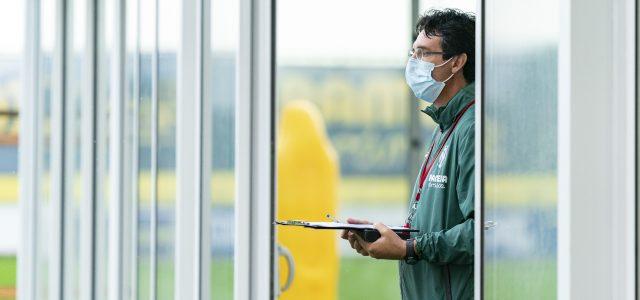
459	62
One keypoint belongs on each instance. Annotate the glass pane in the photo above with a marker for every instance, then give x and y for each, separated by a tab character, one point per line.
131	148
219	90
147	33
76	82
12	30
520	144
105	57
342	138
47	41
168	33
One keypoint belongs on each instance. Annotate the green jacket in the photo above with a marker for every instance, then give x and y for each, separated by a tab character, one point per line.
444	214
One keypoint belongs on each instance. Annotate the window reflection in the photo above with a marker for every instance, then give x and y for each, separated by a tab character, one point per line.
219	92
47	39
147	34
76	82
168	35
520	145
359	92
12	30
103	138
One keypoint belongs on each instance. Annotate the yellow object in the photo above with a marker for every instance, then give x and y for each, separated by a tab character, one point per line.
308	175
9	188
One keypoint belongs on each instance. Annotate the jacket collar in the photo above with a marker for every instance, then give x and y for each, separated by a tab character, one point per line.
445	115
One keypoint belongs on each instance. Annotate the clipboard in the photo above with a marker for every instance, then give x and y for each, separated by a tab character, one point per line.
366	231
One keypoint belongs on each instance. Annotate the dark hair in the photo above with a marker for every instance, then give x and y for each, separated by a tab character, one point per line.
457	29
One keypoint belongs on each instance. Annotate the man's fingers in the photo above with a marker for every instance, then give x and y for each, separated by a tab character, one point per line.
366	247
360	249
383	229
361	241
352	240
344	234
357	221
358	246
355	244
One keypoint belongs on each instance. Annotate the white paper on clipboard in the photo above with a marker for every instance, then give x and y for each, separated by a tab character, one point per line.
337	225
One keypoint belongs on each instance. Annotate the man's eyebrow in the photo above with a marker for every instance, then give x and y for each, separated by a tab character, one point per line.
424	48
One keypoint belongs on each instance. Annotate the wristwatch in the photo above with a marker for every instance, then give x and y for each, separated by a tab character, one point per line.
411	257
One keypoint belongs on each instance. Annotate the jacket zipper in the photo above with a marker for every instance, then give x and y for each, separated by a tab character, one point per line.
447	282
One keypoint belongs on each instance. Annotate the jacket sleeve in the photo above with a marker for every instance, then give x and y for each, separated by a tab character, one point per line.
456	244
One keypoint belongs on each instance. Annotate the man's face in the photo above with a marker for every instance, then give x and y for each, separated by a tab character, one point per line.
433	44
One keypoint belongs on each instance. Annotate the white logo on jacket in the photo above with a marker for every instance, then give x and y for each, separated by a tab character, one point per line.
438	181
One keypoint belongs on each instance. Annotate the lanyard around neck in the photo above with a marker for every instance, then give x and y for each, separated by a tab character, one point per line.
428	163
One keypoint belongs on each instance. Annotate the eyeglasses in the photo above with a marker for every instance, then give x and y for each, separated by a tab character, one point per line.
422	54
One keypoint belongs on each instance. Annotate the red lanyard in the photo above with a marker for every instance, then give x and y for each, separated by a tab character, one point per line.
426	167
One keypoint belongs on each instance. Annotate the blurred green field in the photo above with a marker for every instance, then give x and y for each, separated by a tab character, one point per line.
520	279
365	278
7	271
357	276
7	277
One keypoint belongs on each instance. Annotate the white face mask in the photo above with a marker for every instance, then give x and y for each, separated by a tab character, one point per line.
419	77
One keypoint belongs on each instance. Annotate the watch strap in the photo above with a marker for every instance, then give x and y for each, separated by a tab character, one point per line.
411	257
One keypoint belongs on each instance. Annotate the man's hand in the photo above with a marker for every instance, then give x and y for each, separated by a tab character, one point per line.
388	246
352	237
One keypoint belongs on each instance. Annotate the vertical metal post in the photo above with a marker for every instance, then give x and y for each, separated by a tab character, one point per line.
28	166
116	155
242	239
608	259
636	39
206	146
416	136
254	241
56	234
188	152
153	286
135	167
89	158
202	144
479	157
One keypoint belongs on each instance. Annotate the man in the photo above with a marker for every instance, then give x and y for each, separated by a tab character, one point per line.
437	261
